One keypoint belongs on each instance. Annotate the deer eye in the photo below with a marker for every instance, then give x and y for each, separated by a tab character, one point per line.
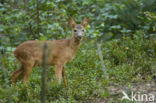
75	30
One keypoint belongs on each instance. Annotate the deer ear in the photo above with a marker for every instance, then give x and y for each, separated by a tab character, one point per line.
85	22
72	22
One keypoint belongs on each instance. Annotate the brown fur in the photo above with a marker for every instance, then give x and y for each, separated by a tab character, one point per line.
60	52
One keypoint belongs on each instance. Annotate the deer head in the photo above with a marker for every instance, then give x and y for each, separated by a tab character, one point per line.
78	29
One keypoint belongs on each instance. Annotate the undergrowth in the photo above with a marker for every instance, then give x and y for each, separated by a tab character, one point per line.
127	60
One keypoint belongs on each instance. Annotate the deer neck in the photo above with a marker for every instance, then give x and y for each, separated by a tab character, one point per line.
74	43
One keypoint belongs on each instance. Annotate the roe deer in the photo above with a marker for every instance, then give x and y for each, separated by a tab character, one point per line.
60	52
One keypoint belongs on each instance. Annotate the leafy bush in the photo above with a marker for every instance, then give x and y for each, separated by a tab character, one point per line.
49	19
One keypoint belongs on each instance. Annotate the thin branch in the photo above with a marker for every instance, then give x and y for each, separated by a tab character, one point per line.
102	62
44	65
38	18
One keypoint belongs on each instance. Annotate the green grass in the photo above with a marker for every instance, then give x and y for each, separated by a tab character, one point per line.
127	60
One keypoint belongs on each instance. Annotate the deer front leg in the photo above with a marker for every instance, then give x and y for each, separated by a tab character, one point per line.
58	73
64	77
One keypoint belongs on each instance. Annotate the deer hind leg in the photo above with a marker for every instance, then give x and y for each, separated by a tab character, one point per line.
16	74
58	73
64	77
27	71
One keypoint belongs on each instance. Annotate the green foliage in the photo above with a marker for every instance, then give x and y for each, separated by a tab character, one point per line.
25	20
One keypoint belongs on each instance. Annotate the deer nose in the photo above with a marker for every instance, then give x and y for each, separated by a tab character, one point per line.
79	36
